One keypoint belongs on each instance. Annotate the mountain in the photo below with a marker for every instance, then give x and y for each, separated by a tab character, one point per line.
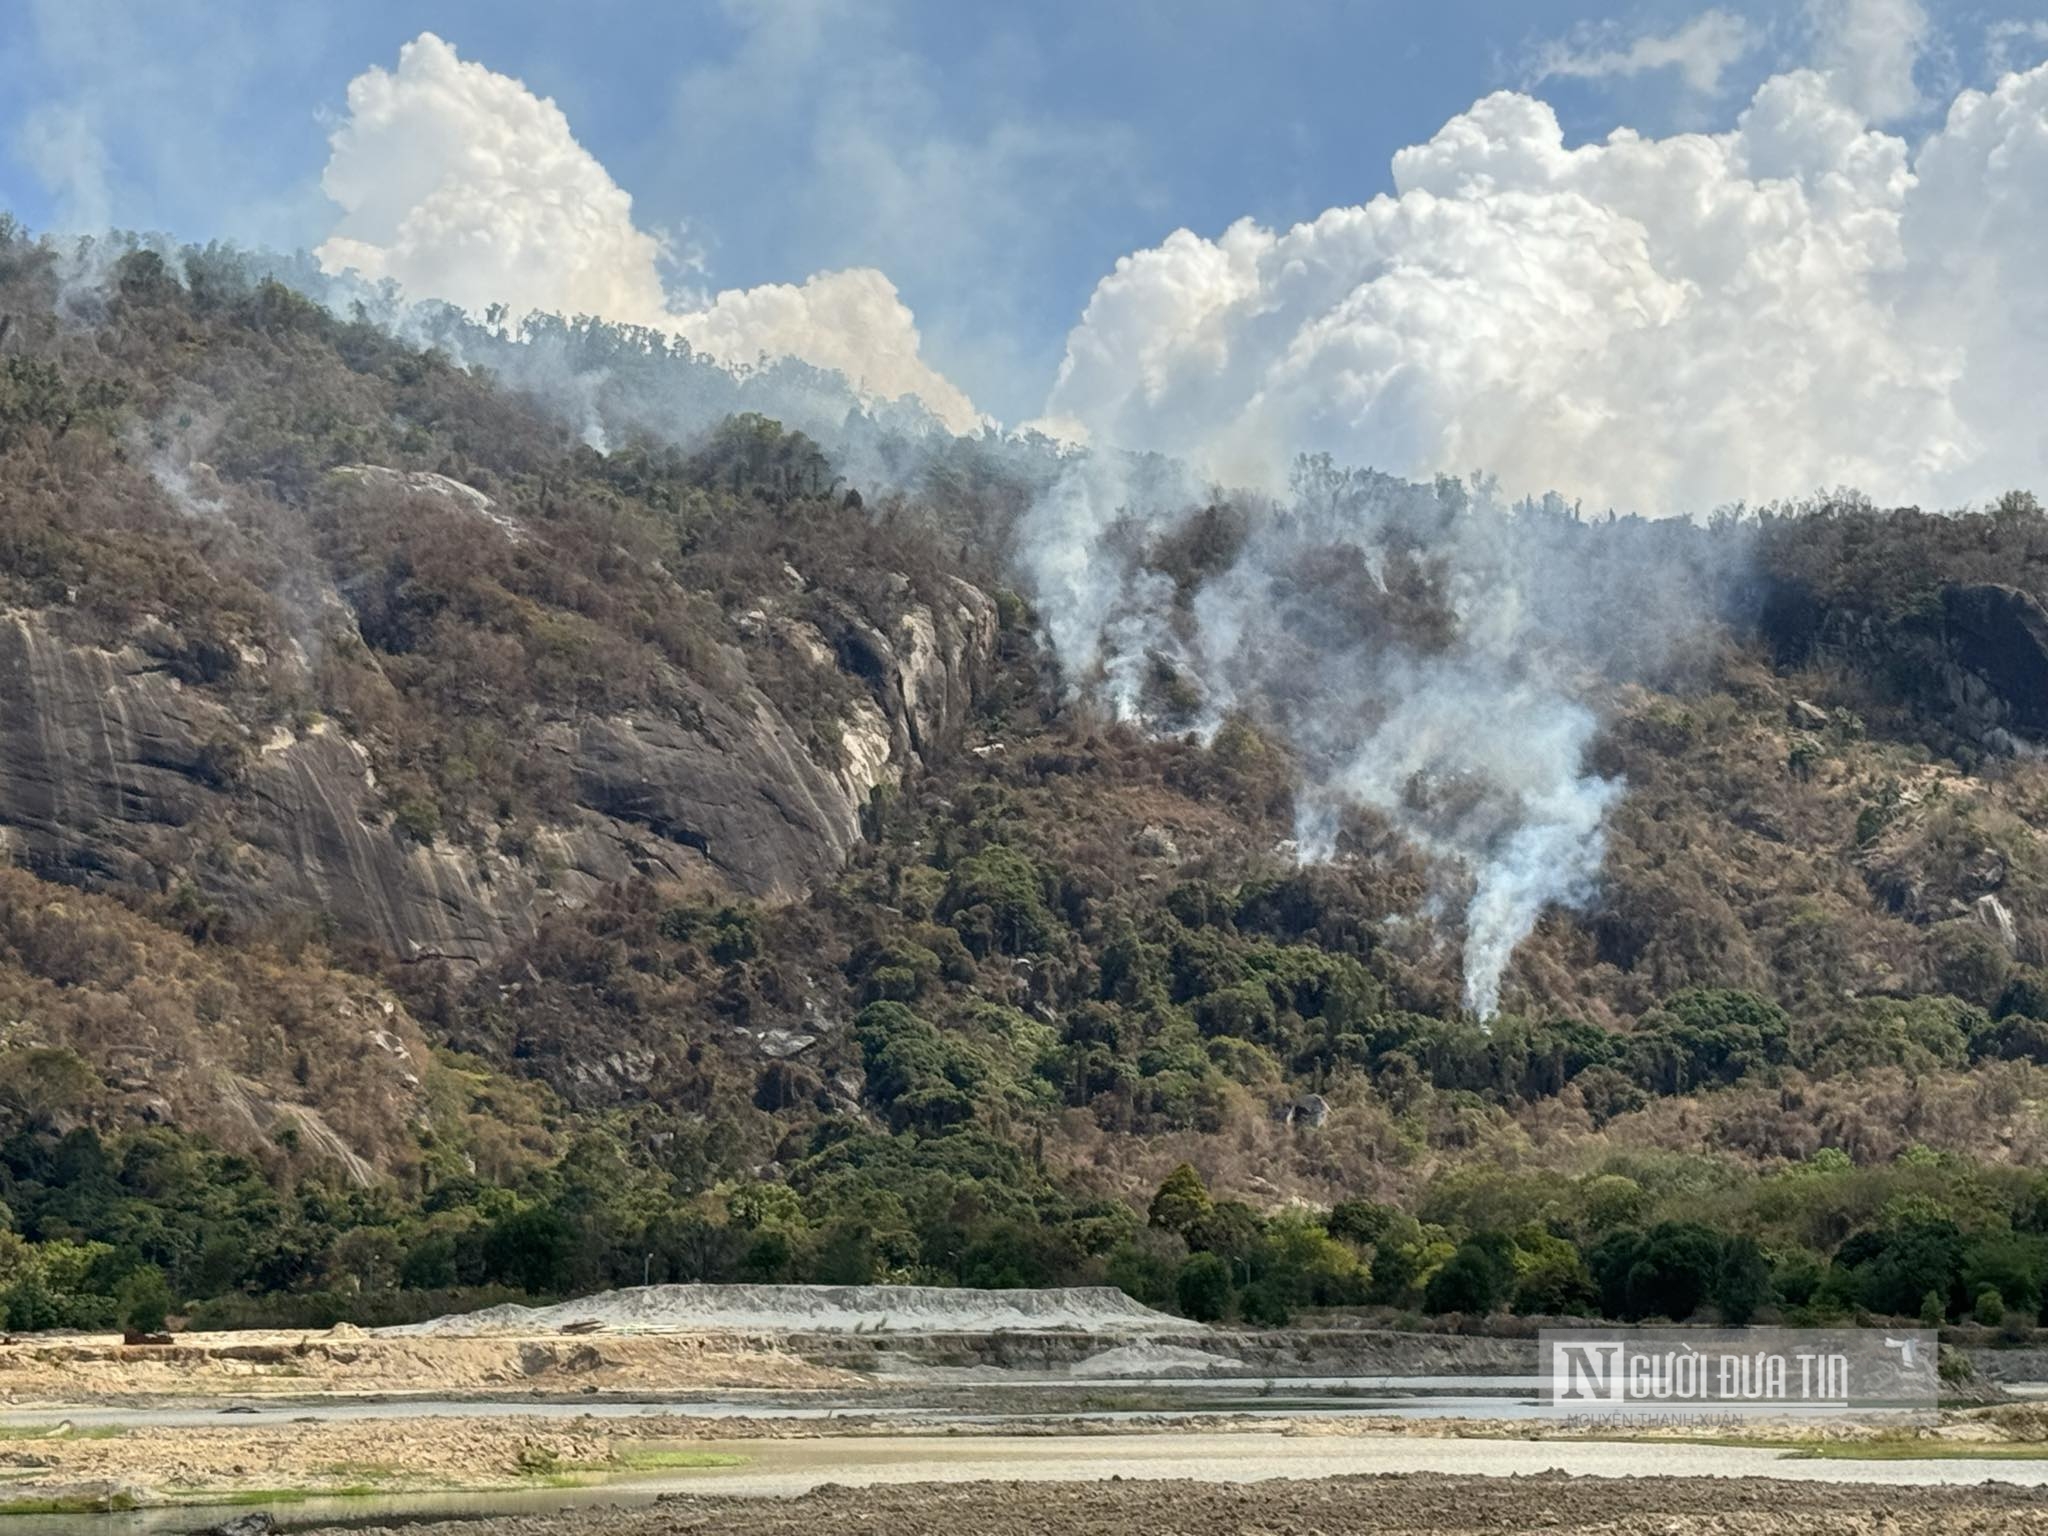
444	854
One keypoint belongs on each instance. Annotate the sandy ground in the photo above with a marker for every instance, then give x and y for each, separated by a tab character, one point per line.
503	1402
156	1463
1409	1505
345	1360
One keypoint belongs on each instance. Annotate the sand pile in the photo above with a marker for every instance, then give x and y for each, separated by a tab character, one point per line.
817	1309
1147	1358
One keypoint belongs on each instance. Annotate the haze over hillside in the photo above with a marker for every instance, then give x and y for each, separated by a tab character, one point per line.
1514	305
519	775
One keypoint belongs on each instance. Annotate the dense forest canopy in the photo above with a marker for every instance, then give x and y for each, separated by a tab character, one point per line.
1139	966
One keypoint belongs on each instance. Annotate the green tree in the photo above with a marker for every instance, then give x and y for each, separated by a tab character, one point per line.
996	899
1895	1266
1703	1036
1742	1282
1550	1275
31	1305
1265	1302
1203	1289
1181	1203
1145	1266
1478	1278
532	1248
1665	1272
1363	1222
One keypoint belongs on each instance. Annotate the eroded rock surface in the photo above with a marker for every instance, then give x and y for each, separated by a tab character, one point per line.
116	771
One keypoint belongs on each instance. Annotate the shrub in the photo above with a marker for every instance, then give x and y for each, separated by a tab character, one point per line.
145	1300
1265	1302
996	899
417	818
1202	1289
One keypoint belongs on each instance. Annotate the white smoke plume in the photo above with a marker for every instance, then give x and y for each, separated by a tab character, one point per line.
1425	651
1803	300
1666	325
460	184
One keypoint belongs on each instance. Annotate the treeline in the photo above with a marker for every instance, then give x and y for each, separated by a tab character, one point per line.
1152	1013
1929	1239
98	1234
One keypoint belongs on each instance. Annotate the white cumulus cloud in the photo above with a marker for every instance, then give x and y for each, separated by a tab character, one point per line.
1870	48
458	183
853	321
1701	52
2011	42
1800	302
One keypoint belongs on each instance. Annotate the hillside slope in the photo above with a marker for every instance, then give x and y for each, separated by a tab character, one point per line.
255	646
495	862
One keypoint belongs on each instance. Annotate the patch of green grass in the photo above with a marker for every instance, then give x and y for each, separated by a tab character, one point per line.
662	1459
634	1458
1917	1450
60	1432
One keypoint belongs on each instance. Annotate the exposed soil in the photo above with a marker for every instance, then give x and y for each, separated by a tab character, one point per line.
154	1463
1411	1505
393	1453
345	1360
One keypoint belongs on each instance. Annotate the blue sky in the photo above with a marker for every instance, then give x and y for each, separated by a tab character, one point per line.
995	162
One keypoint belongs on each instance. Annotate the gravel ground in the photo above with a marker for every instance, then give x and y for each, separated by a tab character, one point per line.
1411	1505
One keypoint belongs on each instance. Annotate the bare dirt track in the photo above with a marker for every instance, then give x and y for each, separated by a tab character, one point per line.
1383	1506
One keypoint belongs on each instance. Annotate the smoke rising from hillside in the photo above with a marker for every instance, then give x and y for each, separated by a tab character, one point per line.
1666	325
1431	656
1805	299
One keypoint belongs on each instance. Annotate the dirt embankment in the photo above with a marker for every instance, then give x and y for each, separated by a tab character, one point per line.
394	1454
1278	1352
1403	1504
345	1360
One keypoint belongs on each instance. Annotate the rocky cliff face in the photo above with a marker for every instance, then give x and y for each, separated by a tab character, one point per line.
1997	637
116	771
1975	656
